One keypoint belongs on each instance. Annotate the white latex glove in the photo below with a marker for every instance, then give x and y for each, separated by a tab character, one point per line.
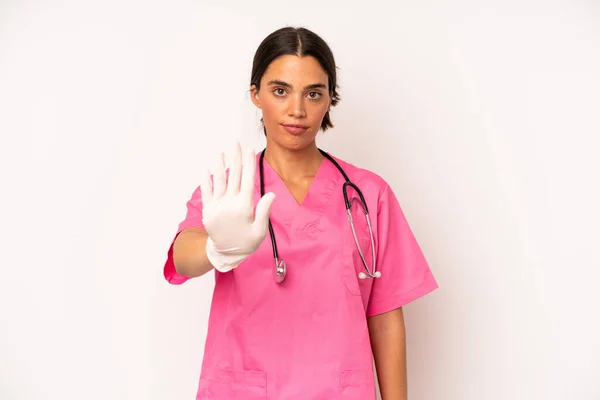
234	230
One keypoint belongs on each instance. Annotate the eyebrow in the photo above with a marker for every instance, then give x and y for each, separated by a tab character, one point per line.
285	84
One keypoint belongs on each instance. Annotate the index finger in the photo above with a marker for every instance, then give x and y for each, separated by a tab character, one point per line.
235	170
248	174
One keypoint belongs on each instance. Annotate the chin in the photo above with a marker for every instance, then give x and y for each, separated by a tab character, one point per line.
295	143
298	142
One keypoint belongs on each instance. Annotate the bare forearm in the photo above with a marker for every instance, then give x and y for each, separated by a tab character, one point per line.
388	340
189	253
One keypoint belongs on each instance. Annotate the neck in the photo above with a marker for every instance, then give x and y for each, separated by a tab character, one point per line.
292	165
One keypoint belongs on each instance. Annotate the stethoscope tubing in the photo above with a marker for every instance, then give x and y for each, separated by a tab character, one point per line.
280	266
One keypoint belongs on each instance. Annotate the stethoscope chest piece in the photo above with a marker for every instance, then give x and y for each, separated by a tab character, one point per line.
279	271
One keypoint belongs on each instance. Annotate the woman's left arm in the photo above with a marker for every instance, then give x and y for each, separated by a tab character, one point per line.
388	341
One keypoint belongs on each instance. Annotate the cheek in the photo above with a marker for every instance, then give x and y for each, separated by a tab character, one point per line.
319	110
271	109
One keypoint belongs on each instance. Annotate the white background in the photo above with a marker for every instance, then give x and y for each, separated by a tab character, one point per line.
483	116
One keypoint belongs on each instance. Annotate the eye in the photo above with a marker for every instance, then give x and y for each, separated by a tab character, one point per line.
314	95
279	92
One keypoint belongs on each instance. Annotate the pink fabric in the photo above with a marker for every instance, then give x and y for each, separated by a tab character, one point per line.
307	338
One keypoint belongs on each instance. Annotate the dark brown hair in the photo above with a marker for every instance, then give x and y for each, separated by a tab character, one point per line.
301	42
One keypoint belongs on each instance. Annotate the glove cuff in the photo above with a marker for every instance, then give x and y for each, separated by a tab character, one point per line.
221	261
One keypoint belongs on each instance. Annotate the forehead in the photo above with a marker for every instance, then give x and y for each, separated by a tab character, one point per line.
296	70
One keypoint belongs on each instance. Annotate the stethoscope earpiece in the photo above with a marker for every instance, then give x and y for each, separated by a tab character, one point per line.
362	275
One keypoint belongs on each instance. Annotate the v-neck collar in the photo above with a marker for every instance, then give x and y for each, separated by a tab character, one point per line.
302	219
319	186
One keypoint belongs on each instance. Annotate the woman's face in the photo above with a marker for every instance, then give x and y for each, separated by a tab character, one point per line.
294	98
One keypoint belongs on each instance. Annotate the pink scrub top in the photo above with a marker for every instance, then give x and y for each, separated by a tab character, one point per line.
308	338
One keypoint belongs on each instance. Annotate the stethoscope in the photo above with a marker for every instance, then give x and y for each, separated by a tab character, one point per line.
280	265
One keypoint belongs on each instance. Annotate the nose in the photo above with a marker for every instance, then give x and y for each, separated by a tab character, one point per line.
296	107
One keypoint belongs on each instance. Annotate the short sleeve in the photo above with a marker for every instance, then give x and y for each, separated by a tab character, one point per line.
193	218
405	273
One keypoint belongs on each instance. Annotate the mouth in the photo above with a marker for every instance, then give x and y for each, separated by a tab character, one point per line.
295	129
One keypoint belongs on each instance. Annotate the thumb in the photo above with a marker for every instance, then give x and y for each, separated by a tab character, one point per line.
261	218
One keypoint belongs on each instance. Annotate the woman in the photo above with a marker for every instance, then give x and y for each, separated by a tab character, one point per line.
310	328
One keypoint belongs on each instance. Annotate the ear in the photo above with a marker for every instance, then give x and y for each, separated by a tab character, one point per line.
254	96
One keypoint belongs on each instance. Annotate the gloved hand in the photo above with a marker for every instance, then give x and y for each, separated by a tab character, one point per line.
235	231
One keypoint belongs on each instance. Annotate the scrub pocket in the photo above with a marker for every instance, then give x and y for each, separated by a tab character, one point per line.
357	385
220	384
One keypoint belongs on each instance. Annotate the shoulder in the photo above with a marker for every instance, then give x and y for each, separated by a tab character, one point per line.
367	180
